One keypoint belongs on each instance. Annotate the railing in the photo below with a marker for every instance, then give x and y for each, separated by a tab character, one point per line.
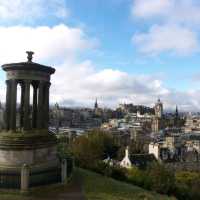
70	166
10	180
45	177
26	177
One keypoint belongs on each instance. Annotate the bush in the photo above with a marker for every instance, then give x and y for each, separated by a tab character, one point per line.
136	176
101	168
92	147
187	185
182	192
118	173
110	171
161	179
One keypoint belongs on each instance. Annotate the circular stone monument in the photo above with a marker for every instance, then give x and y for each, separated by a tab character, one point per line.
28	142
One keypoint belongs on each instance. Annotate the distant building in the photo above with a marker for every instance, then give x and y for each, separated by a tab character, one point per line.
158	108
157	123
177	147
176	118
98	112
84	118
96	104
137	160
154	148
192	124
130	108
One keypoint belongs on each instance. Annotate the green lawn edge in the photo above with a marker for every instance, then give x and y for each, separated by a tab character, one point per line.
98	187
94	187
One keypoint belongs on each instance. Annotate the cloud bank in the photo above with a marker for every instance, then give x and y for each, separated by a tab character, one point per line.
55	43
172	26
78	82
31	10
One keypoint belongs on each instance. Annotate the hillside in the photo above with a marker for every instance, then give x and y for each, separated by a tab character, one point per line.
85	185
97	187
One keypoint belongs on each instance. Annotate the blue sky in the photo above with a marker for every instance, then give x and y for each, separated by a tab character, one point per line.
116	50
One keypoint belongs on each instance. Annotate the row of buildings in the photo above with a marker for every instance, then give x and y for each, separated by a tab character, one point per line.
169	138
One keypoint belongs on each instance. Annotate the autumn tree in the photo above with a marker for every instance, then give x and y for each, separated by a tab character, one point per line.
92	147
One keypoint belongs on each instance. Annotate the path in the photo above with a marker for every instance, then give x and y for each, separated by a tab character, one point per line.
74	191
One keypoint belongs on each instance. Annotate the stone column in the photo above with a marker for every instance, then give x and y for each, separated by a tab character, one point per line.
40	113
8	95
27	104
22	106
25	173
13	101
46	105
63	170
34	114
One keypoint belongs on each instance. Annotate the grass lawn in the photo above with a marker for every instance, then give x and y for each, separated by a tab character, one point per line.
43	193
97	187
51	192
94	187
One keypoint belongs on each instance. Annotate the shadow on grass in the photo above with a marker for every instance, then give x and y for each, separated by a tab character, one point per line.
50	192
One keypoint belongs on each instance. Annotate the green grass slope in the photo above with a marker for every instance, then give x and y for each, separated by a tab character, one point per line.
97	187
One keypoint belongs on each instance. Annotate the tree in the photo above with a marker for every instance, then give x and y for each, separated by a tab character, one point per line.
137	177
188	184
137	147
92	147
162	179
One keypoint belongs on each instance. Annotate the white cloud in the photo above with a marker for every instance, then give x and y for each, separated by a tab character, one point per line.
166	38
28	10
173	26
151	8
80	84
52	45
176	11
55	43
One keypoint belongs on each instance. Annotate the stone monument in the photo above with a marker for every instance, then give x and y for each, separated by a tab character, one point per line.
30	144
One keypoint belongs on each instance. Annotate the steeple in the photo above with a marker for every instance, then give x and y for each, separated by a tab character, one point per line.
176	112
96	104
127	152
176	117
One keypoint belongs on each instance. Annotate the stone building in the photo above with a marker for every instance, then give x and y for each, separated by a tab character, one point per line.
137	160
192	124
157	122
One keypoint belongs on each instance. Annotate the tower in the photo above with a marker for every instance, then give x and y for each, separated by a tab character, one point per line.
176	117
158	108
30	144
157	122
97	111
176	112
96	104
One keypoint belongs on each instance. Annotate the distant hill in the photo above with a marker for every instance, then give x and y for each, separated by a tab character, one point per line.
98	187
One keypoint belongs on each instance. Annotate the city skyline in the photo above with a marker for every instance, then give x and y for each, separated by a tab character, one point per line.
119	51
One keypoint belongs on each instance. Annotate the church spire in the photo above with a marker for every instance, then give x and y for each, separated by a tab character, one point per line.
96	104
176	112
176	117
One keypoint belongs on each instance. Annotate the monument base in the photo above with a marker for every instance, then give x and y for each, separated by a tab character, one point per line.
37	150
